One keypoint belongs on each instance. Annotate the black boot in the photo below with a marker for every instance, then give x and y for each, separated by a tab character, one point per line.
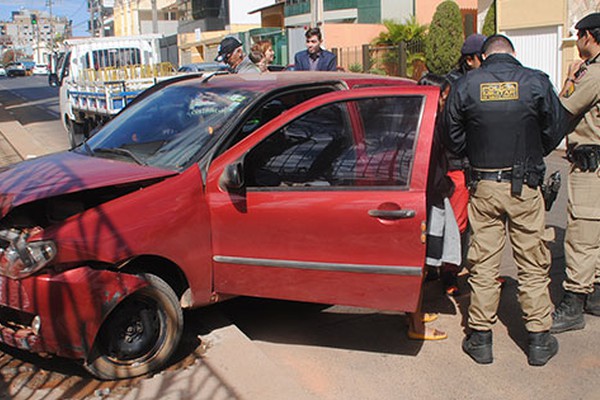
542	347
592	303
568	315
478	345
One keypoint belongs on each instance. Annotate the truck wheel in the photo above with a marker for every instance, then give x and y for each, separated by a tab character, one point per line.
76	133
139	335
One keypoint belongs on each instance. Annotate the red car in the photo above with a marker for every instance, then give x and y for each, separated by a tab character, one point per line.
299	186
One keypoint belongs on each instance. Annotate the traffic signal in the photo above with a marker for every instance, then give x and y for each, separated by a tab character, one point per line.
33	19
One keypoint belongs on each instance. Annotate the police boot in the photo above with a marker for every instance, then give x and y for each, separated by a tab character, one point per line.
592	303
568	316
478	345
542	347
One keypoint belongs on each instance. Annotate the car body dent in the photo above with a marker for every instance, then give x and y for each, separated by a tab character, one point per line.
63	173
85	295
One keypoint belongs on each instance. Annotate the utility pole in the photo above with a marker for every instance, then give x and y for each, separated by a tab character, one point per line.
91	8
154	17
316	13
100	17
52	66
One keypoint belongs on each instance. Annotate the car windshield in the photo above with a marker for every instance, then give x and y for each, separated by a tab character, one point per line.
169	127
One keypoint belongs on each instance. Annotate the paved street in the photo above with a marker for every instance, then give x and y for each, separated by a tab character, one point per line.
266	349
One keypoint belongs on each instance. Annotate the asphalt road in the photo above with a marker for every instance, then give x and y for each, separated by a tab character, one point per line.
259	349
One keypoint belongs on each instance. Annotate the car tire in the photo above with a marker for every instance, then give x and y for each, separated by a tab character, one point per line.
139	335
76	132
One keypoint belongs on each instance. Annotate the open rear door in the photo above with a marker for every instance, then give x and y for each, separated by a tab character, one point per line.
326	203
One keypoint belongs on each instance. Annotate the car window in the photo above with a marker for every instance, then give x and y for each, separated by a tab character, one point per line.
328	148
169	127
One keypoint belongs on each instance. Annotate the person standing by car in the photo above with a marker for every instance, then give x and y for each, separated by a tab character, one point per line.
504	118
314	58
470	59
266	48
231	53
581	98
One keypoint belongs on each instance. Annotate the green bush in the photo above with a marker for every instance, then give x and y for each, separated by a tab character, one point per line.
445	38
355	67
489	25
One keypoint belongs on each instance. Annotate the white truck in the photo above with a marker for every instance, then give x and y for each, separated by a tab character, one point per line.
99	76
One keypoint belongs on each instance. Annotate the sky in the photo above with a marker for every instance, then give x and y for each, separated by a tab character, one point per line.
75	10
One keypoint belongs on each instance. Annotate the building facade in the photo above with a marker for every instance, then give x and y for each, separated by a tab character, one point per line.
134	17
542	31
35	32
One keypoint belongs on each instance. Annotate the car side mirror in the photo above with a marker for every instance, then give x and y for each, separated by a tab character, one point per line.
53	79
232	177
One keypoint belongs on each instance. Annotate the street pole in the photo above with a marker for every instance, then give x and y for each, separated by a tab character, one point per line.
92	20
51	55
100	18
154	17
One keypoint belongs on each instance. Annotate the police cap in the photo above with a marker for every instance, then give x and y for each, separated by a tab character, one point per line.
472	44
589	22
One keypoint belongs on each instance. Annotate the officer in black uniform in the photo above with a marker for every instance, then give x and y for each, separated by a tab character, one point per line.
505	118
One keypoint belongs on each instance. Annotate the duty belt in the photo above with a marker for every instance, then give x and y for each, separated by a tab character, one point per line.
498	176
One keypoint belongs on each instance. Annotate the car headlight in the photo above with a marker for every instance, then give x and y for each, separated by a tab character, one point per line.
19	258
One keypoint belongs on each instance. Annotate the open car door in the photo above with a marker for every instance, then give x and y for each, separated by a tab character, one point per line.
326	203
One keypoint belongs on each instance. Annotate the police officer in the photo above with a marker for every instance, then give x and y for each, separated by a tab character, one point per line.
503	116
581	97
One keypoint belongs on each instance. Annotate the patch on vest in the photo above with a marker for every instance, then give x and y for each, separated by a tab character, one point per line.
499	91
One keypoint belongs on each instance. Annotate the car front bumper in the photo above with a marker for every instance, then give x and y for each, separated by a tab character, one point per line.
60	313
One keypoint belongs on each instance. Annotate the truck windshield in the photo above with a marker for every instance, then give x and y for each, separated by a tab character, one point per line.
169	127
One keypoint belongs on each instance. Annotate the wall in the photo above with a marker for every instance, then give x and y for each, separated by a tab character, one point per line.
517	14
426	8
350	35
398	10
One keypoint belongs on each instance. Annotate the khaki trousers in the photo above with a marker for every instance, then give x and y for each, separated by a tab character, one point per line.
582	239
491	210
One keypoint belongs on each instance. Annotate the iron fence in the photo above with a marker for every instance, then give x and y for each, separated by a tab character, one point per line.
406	59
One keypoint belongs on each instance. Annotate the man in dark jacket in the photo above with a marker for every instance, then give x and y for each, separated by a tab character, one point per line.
505	118
314	58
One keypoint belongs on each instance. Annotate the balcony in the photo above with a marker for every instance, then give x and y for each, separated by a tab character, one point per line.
328	5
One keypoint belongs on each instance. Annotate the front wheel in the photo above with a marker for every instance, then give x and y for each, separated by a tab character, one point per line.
139	335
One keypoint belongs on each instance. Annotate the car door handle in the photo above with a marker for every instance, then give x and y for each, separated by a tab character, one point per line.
392	214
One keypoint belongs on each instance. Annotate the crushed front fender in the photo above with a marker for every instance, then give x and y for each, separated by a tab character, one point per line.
61	313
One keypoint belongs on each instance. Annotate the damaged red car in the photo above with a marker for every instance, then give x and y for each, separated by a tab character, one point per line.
299	186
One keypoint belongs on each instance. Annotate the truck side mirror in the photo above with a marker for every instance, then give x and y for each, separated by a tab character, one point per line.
53	79
232	177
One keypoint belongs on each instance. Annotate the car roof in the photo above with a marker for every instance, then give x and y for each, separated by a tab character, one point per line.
271	81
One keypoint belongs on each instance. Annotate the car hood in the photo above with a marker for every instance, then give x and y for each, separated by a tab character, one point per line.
63	173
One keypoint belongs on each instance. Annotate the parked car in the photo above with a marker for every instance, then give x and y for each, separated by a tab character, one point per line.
40	69
15	69
203	67
2	71
296	186
28	66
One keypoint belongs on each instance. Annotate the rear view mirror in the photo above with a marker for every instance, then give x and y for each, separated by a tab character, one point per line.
232	177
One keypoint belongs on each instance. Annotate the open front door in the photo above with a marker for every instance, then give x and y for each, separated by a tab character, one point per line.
326	203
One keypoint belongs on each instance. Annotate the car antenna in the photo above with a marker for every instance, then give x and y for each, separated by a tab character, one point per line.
207	78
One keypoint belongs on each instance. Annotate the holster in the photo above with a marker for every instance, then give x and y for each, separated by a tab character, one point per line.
470	182
518	176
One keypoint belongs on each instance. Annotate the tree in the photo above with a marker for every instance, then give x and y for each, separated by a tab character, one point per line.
489	25
445	38
410	32
401	32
